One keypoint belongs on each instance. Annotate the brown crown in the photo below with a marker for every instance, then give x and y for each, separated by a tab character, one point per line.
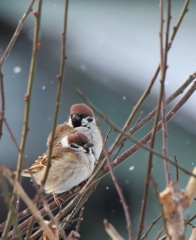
81	108
77	137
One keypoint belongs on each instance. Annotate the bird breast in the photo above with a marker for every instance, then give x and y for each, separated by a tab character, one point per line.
67	172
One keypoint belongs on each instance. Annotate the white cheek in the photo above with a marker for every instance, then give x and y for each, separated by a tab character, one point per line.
84	121
69	123
64	142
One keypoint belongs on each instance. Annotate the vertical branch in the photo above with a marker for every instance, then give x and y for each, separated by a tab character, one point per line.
147	90
163	74
2	103
27	98
161	36
59	87
154	130
122	198
80	219
5	55
177	172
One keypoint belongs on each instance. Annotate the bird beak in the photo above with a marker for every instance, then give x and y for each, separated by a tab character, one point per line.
75	118
88	145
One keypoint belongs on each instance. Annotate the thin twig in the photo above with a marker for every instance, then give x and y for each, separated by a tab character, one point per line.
36	46
28	202
159	234
120	159
16	33
79	220
111	231
58	95
177	172
147	90
81	198
149	167
151	226
145	139
120	193
177	25
164	53
2	103
6	54
9	204
27	98
140	116
179	91
59	88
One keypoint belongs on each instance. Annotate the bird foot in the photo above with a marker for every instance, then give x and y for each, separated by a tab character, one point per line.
57	200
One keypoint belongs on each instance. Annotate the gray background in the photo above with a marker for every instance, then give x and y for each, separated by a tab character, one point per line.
113	51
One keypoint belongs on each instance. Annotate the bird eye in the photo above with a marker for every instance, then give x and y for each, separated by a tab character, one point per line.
89	119
79	143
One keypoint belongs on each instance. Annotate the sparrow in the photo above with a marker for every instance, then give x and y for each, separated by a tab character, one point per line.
70	165
81	120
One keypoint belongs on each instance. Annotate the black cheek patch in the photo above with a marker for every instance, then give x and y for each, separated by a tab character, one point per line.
74	145
87	150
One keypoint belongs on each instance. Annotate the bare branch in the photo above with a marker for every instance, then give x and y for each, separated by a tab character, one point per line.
151	226
111	231
193	234
80	219
179	91
177	172
19	190
27	98
120	193
16	33
59	87
2	103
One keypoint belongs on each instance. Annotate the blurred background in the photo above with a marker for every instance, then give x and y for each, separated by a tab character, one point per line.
112	54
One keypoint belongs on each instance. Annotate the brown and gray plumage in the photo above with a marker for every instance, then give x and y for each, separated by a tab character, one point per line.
81	120
70	165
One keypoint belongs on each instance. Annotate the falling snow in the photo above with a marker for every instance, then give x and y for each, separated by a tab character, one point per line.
83	67
43	87
107	188
17	70
131	168
124	98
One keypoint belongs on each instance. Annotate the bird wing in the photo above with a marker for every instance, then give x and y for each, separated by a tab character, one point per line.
42	161
60	132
